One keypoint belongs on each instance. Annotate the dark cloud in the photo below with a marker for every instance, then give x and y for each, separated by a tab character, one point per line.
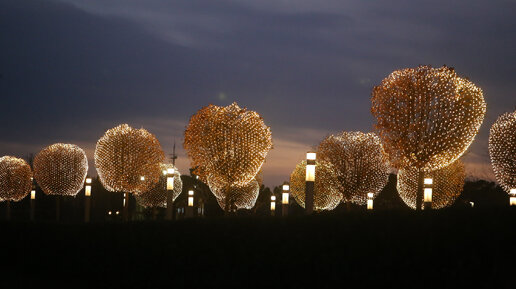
71	69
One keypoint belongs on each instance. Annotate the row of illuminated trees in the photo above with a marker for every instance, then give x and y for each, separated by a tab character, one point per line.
426	118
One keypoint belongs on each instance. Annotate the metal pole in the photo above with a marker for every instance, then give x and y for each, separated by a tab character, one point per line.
87	209
310	183
170	205
8	210
126	207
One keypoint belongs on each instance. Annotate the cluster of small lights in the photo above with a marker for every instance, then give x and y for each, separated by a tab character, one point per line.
327	195
237	197
502	149
128	159
426	117
227	145
157	196
60	169
447	185
15	179
359	162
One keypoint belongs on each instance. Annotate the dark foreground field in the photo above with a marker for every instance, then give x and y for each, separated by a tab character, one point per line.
441	249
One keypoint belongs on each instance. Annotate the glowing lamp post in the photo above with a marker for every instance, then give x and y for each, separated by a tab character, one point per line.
170	194
273	205
285	200
428	182
370	201
512	197
32	200
87	200
310	182
190	207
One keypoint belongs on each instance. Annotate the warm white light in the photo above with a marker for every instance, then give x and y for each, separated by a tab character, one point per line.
370	195
33	195
87	191
142	178
190	198
310	156
512	201
428	195
512	192
190	192
284	198
164	172
88	180
472	204
117	212
109	213
310	173
170	183
273	203
286	187
123	203
171	171
369	204
428	181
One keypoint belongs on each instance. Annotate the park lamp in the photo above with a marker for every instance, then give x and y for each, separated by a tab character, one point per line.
310	166
512	197
285	195
170	179
428	181
428	195
370	201
273	203
87	190
190	198
33	194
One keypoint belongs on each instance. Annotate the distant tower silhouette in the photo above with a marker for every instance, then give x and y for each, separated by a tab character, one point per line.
173	156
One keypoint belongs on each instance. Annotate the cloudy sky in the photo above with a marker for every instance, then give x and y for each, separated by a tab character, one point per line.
71	69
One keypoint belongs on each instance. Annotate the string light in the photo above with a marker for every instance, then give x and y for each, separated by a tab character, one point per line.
241	197
157	196
502	149
15	179
326	188
426	117
128	159
447	185
360	163
227	145
60	169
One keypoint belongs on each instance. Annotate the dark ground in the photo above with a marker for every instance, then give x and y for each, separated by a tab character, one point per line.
389	249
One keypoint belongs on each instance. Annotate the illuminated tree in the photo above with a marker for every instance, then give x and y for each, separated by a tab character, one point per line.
502	149
359	162
447	186
157	196
240	197
426	117
15	179
128	159
60	169
326	188
227	146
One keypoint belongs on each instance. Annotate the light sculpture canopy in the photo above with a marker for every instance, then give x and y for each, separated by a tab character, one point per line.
15	179
502	149
326	186
360	164
157	196
60	169
426	117
227	145
448	184
128	159
241	197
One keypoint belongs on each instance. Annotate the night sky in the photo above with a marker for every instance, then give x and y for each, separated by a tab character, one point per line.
71	69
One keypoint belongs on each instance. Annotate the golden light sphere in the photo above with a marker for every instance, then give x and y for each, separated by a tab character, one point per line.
426	117
502	149
128	160
447	186
60	169
157	196
15	179
240	197
326	188
227	145
359	162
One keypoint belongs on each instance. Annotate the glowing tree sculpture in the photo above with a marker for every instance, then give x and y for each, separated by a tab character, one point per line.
426	117
447	186
157	196
327	195
128	160
60	169
502	149
243	197
15	179
227	146
359	162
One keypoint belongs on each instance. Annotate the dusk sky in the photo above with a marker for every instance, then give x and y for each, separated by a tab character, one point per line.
71	69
